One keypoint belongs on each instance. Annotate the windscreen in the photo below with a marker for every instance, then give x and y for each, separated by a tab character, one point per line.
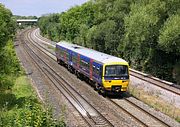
116	71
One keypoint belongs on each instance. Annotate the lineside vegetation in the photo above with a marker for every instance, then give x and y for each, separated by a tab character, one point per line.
144	32
19	106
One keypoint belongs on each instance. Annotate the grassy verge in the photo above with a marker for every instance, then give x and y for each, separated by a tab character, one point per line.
51	47
19	106
156	102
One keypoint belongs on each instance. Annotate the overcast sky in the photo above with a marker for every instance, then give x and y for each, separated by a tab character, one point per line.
39	7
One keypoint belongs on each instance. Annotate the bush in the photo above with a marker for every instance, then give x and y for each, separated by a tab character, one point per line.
32	114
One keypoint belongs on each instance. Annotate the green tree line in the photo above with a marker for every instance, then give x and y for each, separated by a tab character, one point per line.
19	105
8	63
146	33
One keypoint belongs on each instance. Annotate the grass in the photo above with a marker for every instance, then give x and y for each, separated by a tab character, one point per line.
16	95
154	101
20	107
51	47
22	87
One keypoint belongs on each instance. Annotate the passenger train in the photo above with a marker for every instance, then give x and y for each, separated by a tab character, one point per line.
107	73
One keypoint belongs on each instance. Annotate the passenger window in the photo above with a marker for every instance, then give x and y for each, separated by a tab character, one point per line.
96	70
84	64
74	58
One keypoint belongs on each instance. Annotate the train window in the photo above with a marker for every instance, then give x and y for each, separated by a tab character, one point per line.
67	55
81	62
84	64
96	70
116	70
74	58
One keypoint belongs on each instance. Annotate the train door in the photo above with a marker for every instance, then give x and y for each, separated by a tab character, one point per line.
91	69
70	57
78	61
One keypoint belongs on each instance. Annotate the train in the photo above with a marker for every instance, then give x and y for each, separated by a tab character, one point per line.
106	72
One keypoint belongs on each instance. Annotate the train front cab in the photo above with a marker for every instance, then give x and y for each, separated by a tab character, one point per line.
115	77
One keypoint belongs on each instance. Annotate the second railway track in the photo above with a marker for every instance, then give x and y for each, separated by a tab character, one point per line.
171	87
89	113
98	119
138	113
153	81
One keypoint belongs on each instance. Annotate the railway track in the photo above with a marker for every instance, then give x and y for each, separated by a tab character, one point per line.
160	83
155	81
89	113
91	120
138	113
171	87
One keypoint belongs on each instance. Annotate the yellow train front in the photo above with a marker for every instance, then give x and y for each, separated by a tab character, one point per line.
106	72
115	76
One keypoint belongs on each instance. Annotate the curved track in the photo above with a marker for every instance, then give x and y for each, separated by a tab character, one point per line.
92	116
89	113
171	87
133	73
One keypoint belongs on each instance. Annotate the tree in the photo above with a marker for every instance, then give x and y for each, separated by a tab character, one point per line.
144	32
169	39
141	31
50	26
8	62
7	25
169	42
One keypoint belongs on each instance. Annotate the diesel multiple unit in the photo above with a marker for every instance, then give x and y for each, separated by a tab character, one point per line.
106	72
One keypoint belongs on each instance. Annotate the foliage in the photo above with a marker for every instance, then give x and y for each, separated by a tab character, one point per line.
140	27
9	66
9	63
7	25
102	37
24	17
31	114
144	32
18	106
52	28
169	39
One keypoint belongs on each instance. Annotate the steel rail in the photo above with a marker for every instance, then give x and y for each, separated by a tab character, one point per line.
143	110
164	85
76	93
40	68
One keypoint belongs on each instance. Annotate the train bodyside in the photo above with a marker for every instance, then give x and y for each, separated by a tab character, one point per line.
81	60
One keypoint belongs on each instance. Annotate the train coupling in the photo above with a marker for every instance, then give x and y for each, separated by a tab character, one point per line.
116	88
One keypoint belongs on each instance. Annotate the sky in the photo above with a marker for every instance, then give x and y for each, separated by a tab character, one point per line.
39	7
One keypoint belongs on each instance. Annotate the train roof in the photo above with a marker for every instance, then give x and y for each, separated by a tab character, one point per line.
93	54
